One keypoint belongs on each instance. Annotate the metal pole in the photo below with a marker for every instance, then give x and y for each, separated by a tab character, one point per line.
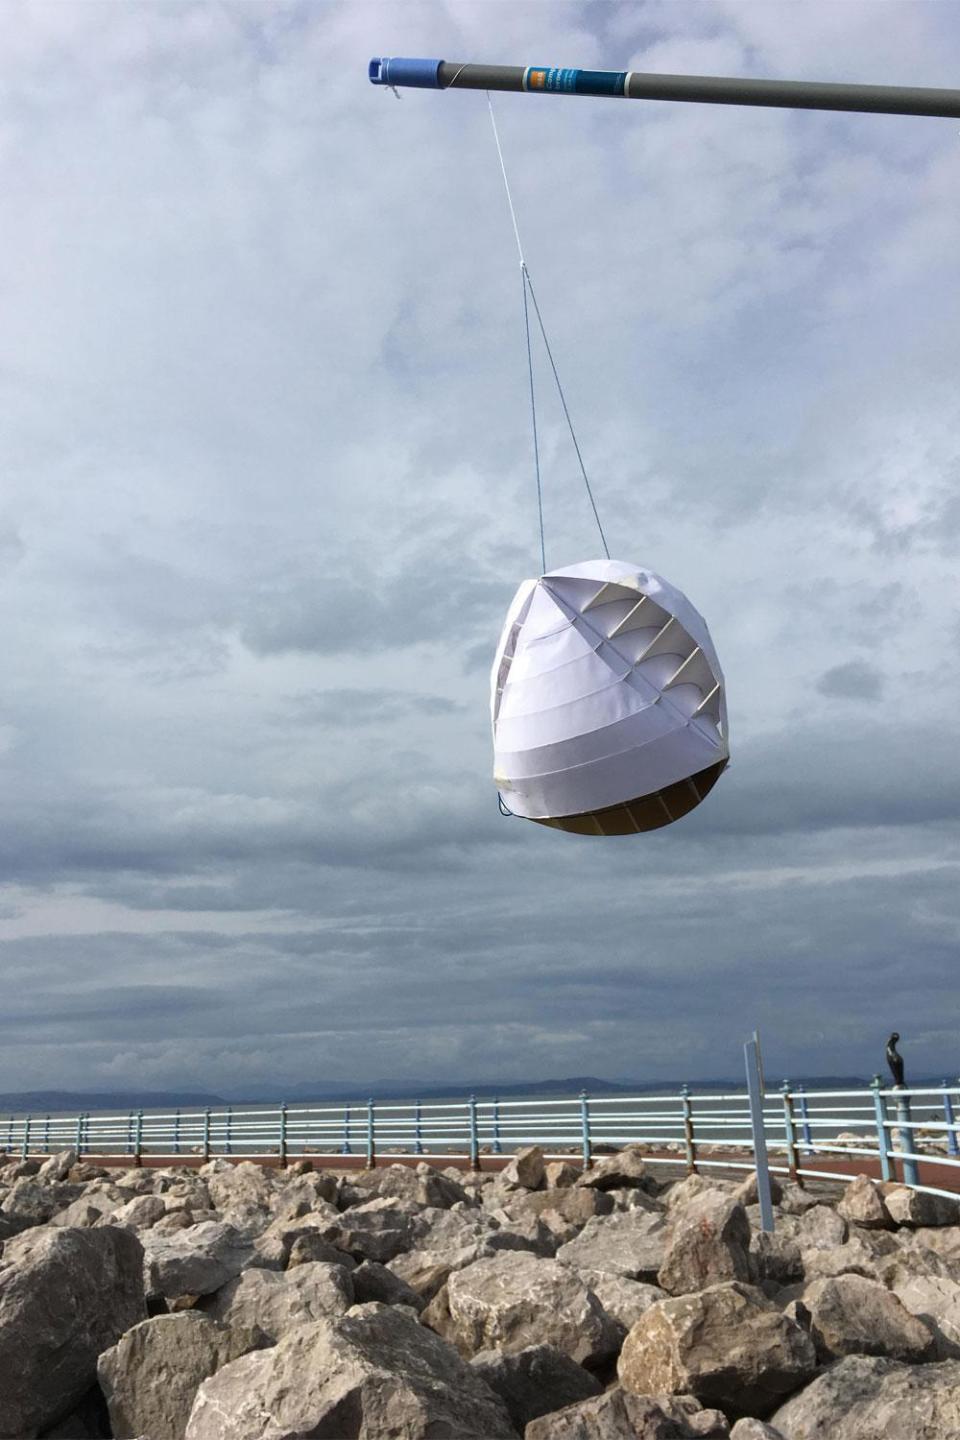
790	1131
689	1140
345	1148
474	1135
585	1128
637	85
880	1118
952	1147
418	1129
805	1120
206	1133
283	1134
26	1139
497	1147
371	1147
911	1175
751	1055
138	1139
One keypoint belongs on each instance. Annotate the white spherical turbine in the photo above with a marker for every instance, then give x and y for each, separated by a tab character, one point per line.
609	715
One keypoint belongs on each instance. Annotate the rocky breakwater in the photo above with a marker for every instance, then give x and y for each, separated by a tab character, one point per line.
237	1303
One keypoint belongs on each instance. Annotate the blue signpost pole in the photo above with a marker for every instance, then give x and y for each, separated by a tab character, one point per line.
754	1068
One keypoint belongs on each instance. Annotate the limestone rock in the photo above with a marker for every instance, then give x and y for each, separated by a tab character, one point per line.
749	1429
238	1186
728	1345
31	1203
575	1206
617	1415
821	1228
197	1261
747	1191
140	1213
624	1300
422	1185
863	1398
936	1302
278	1302
375	1282
65	1296
509	1302
626	1169
862	1204
373	1373
58	1167
526	1169
302	1194
709	1243
850	1315
857	1257
917	1208
691	1187
631	1243
534	1381
775	1257
306	1246
560	1174
150	1377
378	1230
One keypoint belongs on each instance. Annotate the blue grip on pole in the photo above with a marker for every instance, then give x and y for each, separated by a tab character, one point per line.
424	74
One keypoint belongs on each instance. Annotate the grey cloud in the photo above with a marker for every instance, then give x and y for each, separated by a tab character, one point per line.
854	680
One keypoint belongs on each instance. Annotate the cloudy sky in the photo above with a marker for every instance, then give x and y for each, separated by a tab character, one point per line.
267	491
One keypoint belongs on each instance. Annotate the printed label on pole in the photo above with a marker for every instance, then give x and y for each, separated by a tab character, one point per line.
575	82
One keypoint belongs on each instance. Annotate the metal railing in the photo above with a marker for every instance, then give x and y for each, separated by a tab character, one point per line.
892	1132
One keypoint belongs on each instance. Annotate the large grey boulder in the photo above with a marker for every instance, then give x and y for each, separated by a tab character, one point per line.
821	1228
728	1345
301	1194
850	1315
238	1187
632	1243
30	1202
95	1202
196	1261
864	1398
370	1374
58	1167
750	1429
375	1282
748	1191
560	1174
422	1185
936	1301
535	1381
775	1257
65	1296
575	1206
151	1376
863	1254
709	1242
140	1213
862	1204
511	1301
526	1169
617	1415
377	1230
624	1300
278	1302
627	1168
917	1208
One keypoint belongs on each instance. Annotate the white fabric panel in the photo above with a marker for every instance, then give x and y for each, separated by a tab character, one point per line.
580	721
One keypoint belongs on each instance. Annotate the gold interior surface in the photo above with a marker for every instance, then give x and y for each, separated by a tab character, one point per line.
648	812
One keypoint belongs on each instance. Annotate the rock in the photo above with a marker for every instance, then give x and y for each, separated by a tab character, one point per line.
936	1302
775	1257
617	1415
863	1398
862	1204
624	1300
174	1220
88	1420
709	1242
372	1373
821	1228
238	1186
917	1208
912	1263
691	1187
375	1282
728	1345
140	1213
422	1186
427	1271
197	1261
377	1230
560	1174
850	1315
860	1256
303	1193
748	1194
749	1429
796	1200
31	1203
534	1381
278	1302
626	1169
509	1302
306	1246
526	1169
575	1206
151	1376
303	1166
65	1296
58	1167
631	1243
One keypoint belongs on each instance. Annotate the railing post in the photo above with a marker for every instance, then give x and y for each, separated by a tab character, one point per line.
497	1147
227	1131
751	1051
790	1133
78	1142
138	1140
206	1134
345	1148
474	1135
585	1128
689	1139
26	1139
371	1141
283	1135
805	1120
880	1117
952	1147
911	1175
46	1135
176	1133
10	1134
417	1130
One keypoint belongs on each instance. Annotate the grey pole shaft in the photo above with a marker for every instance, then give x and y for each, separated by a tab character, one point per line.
725	90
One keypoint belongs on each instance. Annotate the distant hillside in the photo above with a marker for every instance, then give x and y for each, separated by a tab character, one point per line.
41	1101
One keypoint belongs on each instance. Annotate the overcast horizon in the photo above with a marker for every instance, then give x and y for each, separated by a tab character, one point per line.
268	491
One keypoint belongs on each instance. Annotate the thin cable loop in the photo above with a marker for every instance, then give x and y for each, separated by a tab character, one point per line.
528	284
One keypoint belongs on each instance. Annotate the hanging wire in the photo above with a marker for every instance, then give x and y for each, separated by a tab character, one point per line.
528	285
